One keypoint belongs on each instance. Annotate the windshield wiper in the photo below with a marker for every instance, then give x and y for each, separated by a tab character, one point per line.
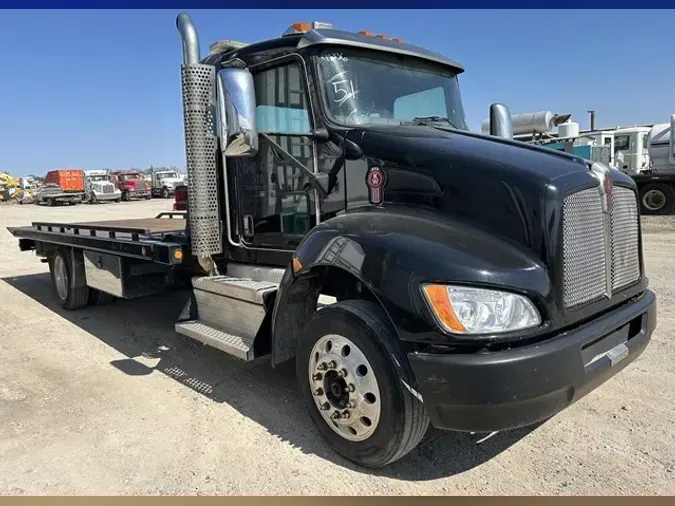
430	120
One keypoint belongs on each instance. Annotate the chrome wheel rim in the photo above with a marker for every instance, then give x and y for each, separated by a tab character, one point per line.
60	277
344	387
654	200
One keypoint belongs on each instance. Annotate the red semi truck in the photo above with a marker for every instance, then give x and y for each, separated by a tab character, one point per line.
132	185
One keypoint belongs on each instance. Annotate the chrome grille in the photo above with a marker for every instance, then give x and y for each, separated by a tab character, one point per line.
625	238
600	250
108	188
584	259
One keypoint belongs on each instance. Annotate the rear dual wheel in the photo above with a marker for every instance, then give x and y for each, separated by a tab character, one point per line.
70	296
73	293
357	384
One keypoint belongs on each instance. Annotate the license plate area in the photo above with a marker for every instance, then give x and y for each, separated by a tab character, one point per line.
612	347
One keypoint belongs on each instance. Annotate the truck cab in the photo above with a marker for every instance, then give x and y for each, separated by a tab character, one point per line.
164	183
131	184
99	188
631	149
501	280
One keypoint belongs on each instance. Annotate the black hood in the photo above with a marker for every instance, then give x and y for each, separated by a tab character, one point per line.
501	186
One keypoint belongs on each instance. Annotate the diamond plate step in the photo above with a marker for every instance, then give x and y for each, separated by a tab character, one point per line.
235	288
232	345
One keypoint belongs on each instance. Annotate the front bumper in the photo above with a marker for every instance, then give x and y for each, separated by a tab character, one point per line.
139	193
107	196
504	390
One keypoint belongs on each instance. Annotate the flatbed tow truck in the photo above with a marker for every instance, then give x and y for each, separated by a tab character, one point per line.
336	219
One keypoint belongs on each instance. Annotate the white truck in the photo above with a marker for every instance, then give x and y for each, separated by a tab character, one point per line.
99	188
164	183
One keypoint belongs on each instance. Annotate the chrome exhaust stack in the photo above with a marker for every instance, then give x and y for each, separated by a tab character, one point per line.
500	121
198	83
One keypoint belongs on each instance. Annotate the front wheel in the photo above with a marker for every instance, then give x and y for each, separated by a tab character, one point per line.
657	198
165	193
358	386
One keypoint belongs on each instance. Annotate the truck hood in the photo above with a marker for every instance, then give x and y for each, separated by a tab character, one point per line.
501	186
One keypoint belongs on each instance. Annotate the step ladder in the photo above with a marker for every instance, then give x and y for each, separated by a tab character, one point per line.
230	310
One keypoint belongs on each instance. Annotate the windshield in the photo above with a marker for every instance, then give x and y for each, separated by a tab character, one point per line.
97	178
167	175
370	87
129	177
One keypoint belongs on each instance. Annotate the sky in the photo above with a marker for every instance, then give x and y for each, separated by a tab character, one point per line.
101	89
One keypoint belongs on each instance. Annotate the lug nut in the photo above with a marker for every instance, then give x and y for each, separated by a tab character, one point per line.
351	387
335	415
318	391
317	376
325	406
350	404
343	372
322	366
332	364
346	414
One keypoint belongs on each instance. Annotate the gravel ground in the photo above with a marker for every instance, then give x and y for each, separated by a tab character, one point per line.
109	400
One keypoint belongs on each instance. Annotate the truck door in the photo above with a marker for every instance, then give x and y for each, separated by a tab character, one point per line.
274	208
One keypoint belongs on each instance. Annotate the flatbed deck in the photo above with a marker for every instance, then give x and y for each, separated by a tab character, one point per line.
134	238
144	226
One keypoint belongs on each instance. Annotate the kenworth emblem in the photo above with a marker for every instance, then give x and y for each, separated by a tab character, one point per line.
606	187
375	181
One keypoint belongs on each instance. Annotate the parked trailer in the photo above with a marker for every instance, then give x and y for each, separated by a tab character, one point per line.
338	226
62	186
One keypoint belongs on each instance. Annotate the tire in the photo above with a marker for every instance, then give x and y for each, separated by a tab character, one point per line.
125	196
99	298
657	198
165	193
93	199
61	271
402	420
51	202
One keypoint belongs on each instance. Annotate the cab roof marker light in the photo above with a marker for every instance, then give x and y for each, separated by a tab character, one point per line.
380	36
221	46
321	25
296	28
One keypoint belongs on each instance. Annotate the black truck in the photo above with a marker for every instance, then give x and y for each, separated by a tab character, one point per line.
341	217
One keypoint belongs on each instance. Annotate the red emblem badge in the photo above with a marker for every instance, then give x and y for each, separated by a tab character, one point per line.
375	182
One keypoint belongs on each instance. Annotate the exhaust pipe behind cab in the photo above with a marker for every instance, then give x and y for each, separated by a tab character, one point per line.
188	34
198	83
500	121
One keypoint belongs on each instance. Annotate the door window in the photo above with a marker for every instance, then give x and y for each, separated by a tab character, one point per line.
276	209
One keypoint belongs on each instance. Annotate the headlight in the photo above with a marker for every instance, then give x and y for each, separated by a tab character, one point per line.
464	310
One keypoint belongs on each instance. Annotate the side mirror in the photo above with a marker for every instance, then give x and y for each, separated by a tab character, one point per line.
236	111
500	121
671	141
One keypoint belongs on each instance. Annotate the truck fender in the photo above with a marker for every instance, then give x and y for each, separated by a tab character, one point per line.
302	283
389	254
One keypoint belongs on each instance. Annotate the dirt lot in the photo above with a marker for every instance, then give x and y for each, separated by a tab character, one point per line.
110	400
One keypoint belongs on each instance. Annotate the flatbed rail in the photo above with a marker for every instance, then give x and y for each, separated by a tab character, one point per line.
142	239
